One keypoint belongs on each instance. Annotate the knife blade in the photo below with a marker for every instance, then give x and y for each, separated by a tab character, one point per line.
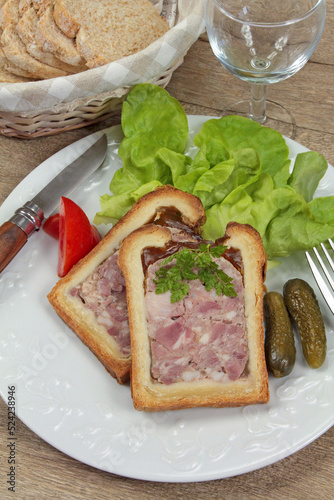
29	218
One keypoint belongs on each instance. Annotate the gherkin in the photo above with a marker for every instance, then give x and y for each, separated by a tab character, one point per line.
304	309
279	339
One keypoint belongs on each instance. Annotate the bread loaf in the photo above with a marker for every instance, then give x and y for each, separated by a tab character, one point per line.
102	321
204	350
50	38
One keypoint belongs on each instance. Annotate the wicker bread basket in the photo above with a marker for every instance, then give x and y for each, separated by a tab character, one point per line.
47	107
77	115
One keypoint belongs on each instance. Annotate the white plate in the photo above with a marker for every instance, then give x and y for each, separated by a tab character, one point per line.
67	398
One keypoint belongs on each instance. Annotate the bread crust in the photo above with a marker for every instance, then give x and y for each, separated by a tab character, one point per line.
150	395
72	311
17	22
5	76
53	40
16	53
9	67
27	30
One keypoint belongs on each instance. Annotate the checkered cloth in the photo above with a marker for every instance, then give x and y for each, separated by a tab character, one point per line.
184	17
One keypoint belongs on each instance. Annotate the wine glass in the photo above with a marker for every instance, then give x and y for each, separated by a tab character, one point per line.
263	42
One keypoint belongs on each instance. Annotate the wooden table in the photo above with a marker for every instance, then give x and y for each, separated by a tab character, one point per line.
203	87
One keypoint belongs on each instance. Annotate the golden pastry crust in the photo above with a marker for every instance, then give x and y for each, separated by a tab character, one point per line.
150	395
71	309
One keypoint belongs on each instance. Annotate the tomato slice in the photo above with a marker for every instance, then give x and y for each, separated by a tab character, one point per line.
96	235
51	226
76	235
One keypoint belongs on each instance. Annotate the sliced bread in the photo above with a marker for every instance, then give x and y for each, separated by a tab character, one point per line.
38	5
24	50
9	13
12	68
52	39
15	51
110	29
7	77
27	28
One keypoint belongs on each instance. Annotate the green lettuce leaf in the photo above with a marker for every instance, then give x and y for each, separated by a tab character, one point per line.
213	151
236	132
282	217
240	172
151	120
300	232
150	108
308	170
213	185
140	161
187	182
323	209
114	207
124	182
176	162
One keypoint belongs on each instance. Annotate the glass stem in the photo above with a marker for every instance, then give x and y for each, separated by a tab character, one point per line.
257	104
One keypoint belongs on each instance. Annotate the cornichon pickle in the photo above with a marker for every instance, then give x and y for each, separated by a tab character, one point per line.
279	339
304	309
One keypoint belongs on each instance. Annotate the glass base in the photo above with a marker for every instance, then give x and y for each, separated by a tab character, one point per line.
277	117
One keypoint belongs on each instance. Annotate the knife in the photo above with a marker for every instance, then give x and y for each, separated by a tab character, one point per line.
29	218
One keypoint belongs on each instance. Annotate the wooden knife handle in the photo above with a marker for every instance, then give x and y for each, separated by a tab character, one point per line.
12	239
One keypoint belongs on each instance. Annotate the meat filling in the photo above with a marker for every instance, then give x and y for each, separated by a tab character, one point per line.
103	292
202	336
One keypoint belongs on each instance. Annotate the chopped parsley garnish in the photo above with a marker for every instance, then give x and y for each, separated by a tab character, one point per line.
174	277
